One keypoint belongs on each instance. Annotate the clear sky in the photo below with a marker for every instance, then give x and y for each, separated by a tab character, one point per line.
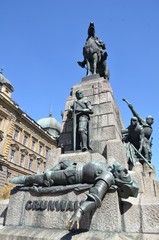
42	40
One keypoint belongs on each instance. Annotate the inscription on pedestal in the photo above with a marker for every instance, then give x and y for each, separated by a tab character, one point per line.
59	205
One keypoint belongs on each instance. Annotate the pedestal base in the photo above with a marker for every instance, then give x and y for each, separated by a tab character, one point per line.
29	233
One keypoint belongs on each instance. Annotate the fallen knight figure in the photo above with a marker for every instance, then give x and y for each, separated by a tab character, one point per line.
98	175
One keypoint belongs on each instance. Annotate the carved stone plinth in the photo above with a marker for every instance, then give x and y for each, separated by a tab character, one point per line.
117	219
32	210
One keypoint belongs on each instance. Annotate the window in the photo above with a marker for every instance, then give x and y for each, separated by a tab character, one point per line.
30	164
38	167
0	123
47	152
1	135
33	145
16	133
25	140
40	149
22	160
11	158
44	166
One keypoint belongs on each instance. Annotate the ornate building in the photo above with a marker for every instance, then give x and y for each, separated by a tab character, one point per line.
24	144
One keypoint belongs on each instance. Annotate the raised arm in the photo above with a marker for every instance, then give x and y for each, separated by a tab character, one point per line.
141	121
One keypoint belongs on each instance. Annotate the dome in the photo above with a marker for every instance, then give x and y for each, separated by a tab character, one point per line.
51	125
5	81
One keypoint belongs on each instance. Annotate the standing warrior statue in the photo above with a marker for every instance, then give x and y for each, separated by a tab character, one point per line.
95	55
147	129
134	139
80	111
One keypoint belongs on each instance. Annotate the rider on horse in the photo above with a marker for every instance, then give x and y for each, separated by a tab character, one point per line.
101	46
94	54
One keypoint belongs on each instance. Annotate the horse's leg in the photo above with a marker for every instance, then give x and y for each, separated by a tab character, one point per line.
88	68
95	59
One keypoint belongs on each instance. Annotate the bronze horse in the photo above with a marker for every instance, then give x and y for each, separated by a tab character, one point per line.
94	54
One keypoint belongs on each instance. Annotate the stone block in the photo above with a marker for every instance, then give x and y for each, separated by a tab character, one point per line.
95	145
149	189
67	126
105	97
95	88
106	218
52	158
104	86
138	177
105	108
145	211
116	149
131	214
16	209
150	214
66	139
95	121
103	120
102	148
24	233
96	110
106	133
94	100
156	186
90	77
67	148
108	120
88	92
82	157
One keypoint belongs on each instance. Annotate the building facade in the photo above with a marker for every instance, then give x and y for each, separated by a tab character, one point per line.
24	144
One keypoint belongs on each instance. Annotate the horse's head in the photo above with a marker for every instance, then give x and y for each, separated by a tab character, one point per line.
91	30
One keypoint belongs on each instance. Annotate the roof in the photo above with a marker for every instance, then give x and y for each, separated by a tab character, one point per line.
5	81
49	122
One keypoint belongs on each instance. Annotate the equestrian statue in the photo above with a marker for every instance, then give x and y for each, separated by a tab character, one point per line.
95	55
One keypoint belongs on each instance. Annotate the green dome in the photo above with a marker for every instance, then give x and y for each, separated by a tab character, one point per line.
51	125
5	81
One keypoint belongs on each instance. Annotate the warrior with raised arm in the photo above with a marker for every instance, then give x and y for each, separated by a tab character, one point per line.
147	127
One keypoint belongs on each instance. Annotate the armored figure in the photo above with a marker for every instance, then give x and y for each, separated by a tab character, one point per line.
80	111
98	174
147	127
134	139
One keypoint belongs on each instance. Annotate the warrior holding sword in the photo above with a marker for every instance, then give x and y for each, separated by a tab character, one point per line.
80	111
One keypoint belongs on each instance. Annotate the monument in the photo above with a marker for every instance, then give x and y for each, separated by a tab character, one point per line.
89	193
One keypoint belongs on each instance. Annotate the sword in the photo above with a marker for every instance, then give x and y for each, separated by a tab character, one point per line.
74	126
125	101
145	160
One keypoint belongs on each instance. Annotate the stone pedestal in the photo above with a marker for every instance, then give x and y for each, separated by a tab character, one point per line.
33	210
117	219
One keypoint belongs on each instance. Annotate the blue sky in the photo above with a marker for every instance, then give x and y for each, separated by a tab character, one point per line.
42	40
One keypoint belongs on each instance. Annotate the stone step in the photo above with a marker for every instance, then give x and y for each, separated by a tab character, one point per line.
28	233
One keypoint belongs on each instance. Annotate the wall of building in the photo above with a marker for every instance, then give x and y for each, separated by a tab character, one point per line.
24	145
